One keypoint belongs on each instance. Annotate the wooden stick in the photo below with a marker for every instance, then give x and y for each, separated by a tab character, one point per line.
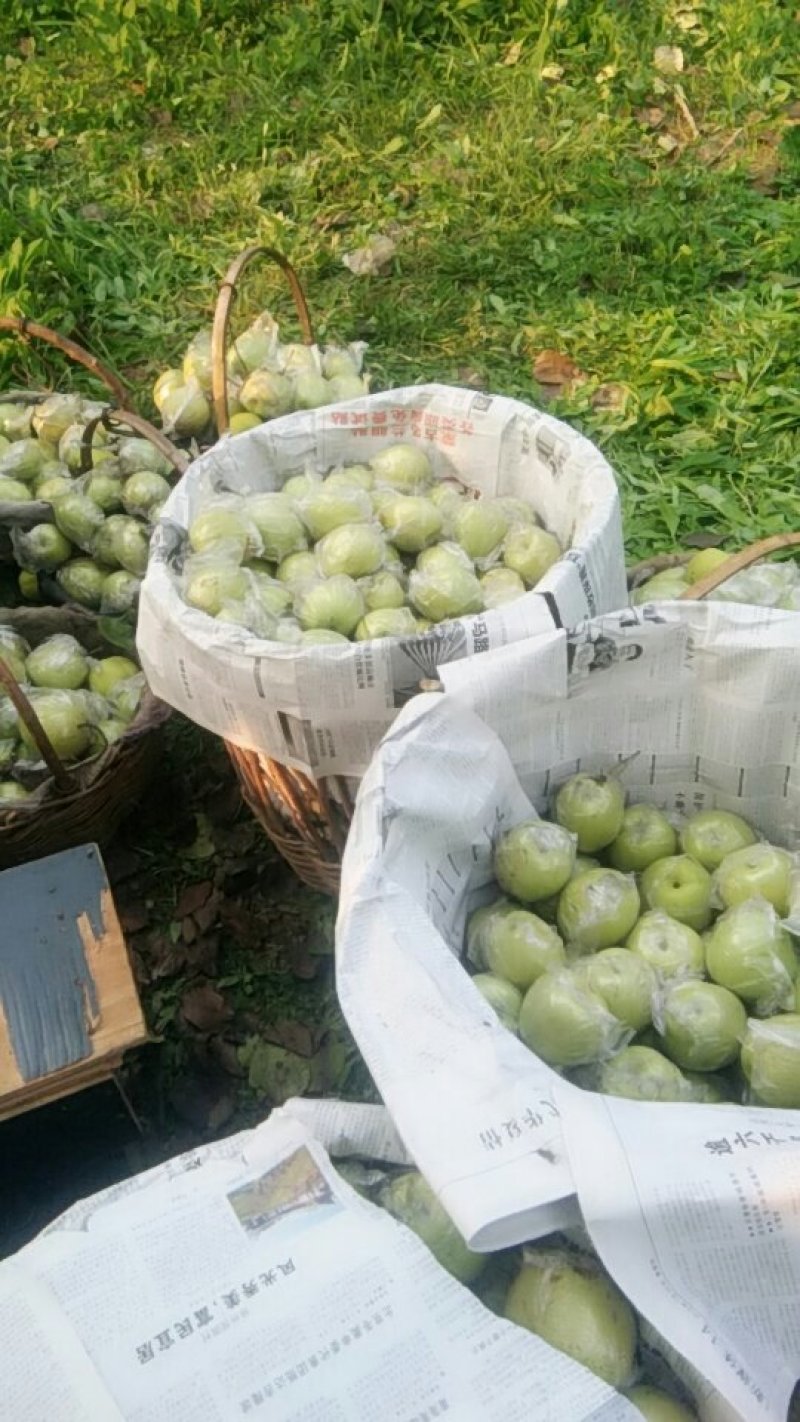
737	562
219	333
24	328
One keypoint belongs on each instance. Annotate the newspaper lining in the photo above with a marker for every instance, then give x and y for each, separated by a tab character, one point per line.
705	699
325	708
255	1283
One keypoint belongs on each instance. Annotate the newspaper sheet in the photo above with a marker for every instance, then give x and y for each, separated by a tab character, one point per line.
696	1214
258	1284
325	709
704	698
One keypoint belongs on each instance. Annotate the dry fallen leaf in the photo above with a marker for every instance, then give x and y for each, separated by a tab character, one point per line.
513	54
557	372
667	142
607	72
651	117
372	259
552	73
668	59
610	397
204	1007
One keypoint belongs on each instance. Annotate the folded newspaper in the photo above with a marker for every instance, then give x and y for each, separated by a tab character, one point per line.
704	699
248	1280
325	708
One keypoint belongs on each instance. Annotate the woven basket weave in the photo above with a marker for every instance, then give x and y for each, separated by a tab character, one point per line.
86	802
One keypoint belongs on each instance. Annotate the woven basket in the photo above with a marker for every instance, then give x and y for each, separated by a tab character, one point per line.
26	515
85	802
81	803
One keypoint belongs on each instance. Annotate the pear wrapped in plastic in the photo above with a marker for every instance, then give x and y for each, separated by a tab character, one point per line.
42	548
58	662
333	603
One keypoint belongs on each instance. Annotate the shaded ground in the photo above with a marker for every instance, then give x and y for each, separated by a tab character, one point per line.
233	958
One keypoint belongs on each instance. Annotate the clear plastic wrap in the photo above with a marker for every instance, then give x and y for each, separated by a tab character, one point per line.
224	525
502	997
125	696
382	589
750	953
210	580
623	980
519	946
711	835
444	592
501	586
701	1024
82	581
534	860
411	522
404	467
530	551
356	549
185	410
42	548
567	1025
322	509
119	594
78	518
144	491
598	909
336	603
386	622
66	720
479	526
644	836
53	416
14	651
279	528
681	887
24	458
267	393
642	1074
771	1060
757	871
13	491
59	662
671	948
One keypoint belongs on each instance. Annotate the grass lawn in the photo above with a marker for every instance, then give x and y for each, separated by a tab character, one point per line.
551	184
611	181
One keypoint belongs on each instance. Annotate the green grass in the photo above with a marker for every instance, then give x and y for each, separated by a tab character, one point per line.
145	142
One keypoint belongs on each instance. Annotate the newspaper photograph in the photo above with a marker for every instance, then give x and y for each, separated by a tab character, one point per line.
324	708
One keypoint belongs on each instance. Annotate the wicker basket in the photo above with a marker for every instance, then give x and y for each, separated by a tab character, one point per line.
26	515
85	802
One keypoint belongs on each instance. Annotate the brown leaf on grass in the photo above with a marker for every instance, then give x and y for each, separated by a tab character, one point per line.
188	930
294	1036
326	221
651	116
204	1007
473	379
610	397
207	915
192	897
133	915
556	372
513	54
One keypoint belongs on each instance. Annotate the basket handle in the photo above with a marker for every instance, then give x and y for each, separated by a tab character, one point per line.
27	714
109	418
736	562
25	328
222	310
